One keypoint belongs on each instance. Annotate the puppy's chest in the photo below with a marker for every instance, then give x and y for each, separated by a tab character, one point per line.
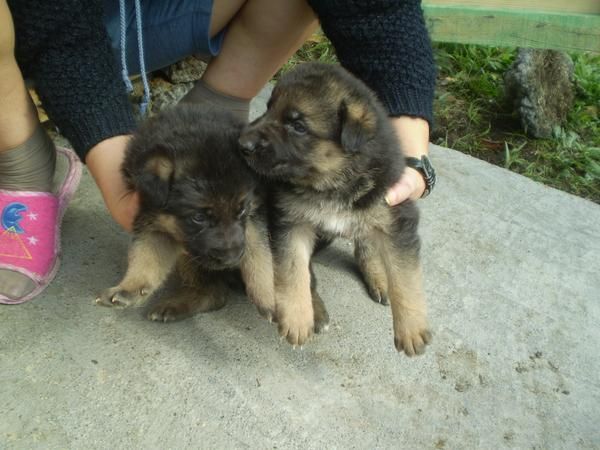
339	224
328	216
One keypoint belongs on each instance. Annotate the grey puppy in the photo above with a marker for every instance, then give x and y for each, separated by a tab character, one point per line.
201	211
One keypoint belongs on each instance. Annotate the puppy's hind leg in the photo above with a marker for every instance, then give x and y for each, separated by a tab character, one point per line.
409	310
187	301
198	291
320	314
405	290
373	270
152	257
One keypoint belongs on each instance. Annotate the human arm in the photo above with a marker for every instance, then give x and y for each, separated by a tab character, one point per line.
413	134
104	163
64	48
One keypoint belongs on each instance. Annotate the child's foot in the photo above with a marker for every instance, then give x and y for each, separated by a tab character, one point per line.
31	209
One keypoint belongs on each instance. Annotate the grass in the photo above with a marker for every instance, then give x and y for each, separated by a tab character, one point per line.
472	116
316	48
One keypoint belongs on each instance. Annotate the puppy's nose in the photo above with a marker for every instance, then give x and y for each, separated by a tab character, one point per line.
251	142
248	144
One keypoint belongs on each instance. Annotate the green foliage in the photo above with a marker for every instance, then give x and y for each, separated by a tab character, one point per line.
316	48
473	116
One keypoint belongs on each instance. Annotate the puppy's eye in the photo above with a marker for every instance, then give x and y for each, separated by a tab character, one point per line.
199	218
242	212
299	127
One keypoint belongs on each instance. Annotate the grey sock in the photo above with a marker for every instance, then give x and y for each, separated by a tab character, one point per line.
29	166
201	93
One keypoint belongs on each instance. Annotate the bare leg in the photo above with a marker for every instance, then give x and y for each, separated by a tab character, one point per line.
261	37
18	119
27	155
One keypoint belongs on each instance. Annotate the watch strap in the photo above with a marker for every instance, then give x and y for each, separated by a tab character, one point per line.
424	167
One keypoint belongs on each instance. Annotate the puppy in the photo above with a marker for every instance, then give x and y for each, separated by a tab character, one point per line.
201	210
329	148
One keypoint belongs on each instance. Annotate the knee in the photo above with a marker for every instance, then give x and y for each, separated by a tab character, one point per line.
7	32
270	20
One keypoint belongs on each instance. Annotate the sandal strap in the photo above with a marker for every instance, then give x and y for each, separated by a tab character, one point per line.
29	232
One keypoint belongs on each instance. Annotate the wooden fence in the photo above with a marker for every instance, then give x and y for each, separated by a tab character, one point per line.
572	25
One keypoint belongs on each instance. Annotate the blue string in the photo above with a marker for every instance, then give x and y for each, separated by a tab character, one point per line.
138	20
124	70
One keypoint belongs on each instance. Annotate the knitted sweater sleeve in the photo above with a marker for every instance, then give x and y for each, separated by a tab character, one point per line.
63	46
386	44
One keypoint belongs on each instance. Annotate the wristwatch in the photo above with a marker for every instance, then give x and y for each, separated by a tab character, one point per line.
424	167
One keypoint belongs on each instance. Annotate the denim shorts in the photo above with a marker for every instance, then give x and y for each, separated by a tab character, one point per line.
171	30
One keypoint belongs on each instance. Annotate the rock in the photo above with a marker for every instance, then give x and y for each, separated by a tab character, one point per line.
168	95
167	86
540	86
185	71
163	94
41	112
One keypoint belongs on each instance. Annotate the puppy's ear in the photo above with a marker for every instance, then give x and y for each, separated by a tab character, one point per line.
154	181
357	126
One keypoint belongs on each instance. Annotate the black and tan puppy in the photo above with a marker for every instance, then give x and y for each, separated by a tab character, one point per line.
329	147
201	210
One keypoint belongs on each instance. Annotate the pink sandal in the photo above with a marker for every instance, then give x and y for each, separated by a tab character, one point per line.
30	227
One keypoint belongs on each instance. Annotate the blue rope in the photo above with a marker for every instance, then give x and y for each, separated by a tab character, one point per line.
124	70
138	20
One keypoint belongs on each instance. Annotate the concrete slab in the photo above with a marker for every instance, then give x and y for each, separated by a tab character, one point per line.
513	281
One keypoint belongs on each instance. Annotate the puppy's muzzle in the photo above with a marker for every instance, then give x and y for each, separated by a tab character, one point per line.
227	257
230	248
252	142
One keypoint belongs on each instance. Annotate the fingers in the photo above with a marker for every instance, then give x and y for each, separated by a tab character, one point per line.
410	186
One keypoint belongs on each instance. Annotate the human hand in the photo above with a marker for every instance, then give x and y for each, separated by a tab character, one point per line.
413	135
104	163
411	185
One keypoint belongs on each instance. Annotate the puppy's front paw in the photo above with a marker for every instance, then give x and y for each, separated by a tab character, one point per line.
411	334
296	323
121	298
